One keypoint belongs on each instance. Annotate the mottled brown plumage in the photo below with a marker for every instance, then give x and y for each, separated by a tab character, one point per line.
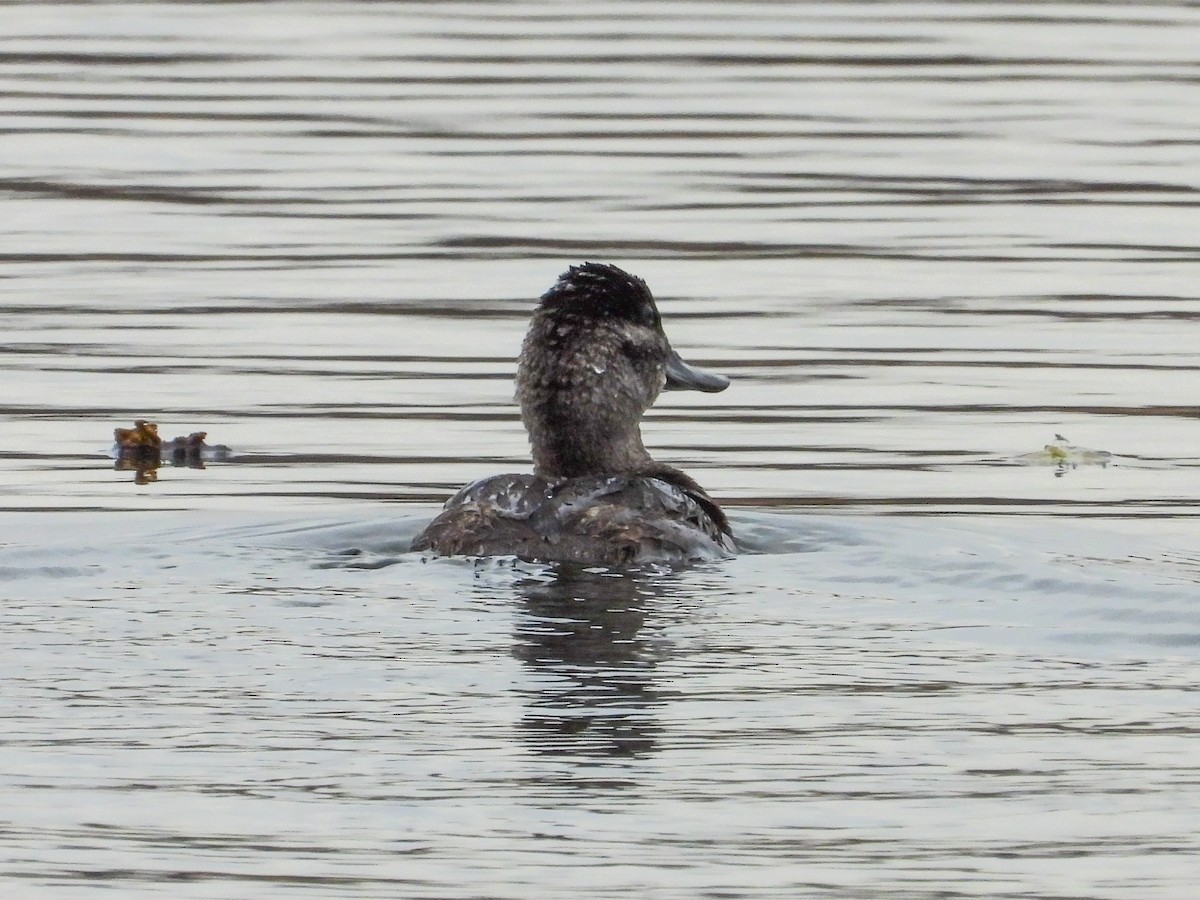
594	360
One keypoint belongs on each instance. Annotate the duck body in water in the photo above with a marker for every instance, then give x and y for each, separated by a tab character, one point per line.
595	359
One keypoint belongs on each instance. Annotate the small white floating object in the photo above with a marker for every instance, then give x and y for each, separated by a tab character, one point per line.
1062	454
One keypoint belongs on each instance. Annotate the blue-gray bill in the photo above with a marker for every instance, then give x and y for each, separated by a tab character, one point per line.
682	377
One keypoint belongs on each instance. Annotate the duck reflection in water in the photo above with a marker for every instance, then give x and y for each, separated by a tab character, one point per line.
595	359
583	636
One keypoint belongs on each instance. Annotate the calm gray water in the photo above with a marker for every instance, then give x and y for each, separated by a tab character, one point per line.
923	239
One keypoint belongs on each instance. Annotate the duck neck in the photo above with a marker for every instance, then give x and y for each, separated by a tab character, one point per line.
569	446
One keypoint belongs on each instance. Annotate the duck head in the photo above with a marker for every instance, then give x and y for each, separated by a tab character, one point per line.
594	360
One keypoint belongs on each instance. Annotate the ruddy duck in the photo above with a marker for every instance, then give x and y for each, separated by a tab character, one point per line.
594	360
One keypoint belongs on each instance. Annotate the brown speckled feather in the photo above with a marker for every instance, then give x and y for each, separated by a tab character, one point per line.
594	360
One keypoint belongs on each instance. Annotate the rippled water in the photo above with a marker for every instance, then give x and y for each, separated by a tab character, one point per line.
923	239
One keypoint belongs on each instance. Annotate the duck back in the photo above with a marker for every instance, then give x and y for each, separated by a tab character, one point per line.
593	520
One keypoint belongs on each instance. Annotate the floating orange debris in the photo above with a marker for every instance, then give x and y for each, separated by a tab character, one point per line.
141	450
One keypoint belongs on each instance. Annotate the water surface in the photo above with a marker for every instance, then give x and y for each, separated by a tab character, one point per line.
923	239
